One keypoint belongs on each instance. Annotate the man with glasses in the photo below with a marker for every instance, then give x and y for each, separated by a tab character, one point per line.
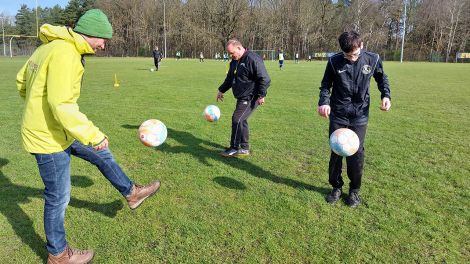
345	99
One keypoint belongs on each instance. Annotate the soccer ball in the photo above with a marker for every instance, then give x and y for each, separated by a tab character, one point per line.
151	69
211	113
152	133
344	142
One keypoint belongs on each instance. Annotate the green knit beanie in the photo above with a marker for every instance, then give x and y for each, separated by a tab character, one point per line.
94	23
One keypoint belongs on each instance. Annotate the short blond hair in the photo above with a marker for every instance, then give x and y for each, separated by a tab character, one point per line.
234	42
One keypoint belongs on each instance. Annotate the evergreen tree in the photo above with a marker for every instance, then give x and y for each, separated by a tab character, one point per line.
55	15
71	13
25	21
87	5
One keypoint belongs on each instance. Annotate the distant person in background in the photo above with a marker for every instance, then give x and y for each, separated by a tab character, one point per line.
225	57
296	58
345	99
249	80
309	57
178	55
157	57
281	59
53	128
201	57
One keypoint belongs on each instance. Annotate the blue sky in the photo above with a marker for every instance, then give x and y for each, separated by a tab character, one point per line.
10	7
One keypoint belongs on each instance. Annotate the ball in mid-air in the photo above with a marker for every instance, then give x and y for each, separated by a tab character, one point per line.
152	133
344	142
211	113
151	69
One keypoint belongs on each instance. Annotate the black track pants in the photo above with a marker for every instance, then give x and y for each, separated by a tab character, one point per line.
355	163
240	131
157	63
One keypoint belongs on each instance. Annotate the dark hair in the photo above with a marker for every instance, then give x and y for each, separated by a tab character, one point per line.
348	41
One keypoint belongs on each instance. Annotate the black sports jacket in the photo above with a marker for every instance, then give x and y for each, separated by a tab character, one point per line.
157	55
247	77
349	99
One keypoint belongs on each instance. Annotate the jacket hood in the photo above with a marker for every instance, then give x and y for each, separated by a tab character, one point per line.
49	33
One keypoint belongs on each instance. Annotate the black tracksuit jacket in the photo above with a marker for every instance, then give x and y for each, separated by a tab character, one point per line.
157	55
349	99
247	77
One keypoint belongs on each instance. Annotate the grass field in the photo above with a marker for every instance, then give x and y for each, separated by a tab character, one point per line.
266	208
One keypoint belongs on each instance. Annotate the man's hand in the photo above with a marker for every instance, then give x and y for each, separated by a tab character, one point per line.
324	111
386	104
260	101
220	96
103	145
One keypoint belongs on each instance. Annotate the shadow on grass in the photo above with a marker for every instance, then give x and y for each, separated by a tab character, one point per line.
198	148
81	181
230	183
12	196
130	126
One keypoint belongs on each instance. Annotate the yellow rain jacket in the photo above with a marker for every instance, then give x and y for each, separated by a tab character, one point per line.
50	84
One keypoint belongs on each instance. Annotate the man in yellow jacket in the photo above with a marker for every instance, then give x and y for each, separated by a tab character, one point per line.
53	128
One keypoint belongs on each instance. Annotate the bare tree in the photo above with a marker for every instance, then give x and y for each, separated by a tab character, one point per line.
435	29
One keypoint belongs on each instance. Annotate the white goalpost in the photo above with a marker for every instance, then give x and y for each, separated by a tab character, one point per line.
266	54
12	36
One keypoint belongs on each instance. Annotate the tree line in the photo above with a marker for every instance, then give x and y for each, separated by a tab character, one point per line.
434	30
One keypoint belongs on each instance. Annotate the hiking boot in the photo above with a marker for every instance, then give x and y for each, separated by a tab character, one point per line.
139	193
230	152
71	256
243	152
353	199
334	195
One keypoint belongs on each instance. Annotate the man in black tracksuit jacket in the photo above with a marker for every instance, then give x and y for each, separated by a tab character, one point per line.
157	57
249	80
348	74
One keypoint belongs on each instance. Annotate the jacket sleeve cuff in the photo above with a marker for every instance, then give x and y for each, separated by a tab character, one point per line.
98	140
324	102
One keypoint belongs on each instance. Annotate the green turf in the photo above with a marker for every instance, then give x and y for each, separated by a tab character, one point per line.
266	208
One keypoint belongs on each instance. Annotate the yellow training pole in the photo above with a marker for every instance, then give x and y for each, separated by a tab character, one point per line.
116	83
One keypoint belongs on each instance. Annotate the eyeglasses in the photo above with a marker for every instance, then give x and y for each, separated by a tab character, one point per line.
351	55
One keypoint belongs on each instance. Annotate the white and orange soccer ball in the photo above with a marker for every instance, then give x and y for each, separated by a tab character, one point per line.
152	133
211	113
344	142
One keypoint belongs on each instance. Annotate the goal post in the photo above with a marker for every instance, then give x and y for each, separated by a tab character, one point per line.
266	54
12	36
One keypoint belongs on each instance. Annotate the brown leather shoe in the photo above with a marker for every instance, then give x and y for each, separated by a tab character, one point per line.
71	256
139	193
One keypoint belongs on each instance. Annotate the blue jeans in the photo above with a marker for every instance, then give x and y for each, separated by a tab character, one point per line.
55	173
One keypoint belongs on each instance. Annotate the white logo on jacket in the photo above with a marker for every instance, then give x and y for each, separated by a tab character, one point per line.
366	69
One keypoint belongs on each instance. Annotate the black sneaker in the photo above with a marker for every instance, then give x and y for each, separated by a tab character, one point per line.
353	199
334	195
243	152
230	152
